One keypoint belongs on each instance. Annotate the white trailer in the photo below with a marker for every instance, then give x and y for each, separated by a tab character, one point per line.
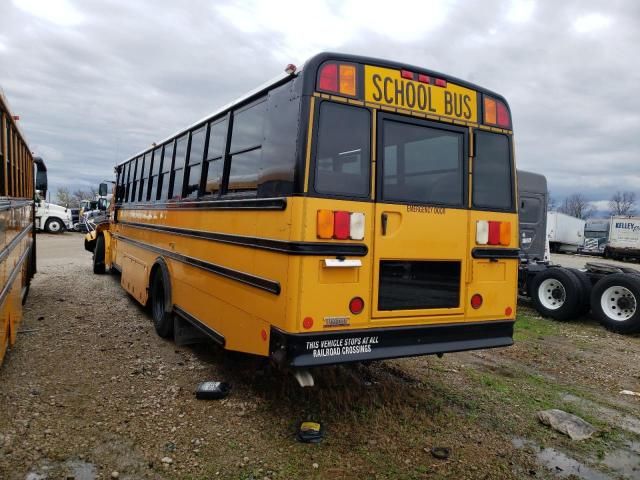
624	238
565	233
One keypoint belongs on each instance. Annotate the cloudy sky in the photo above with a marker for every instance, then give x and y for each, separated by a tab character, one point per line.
95	81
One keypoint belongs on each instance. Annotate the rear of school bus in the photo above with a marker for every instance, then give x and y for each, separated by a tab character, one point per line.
409	175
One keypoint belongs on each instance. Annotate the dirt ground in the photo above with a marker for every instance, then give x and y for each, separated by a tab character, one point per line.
91	392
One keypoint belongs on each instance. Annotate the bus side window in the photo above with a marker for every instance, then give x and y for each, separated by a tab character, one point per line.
194	166
144	184
127	167
163	178
152	192
177	172
135	169
245	151
215	153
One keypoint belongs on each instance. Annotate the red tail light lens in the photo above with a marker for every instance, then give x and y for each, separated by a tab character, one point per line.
476	301
329	77
307	323
504	119
356	305
341	225
494	233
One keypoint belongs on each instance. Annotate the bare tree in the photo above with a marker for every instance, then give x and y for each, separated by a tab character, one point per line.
62	196
552	204
622	203
577	206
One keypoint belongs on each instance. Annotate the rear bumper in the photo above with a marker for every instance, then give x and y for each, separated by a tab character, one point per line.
314	349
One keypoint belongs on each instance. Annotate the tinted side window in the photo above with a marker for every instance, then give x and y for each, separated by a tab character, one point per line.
194	168
245	151
530	209
153	178
215	152
343	159
177	172
163	178
135	175
492	178
144	175
421	164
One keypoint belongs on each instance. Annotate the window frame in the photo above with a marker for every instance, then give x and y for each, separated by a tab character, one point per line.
382	116
188	165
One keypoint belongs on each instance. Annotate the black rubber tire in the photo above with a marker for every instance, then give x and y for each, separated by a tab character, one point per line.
98	256
629	281
585	290
53	221
570	309
161	304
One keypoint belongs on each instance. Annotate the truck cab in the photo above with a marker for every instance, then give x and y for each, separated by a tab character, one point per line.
50	217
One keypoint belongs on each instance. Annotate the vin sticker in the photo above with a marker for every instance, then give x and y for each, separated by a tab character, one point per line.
426	209
341	346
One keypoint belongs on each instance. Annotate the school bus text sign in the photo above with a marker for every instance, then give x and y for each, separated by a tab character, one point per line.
387	87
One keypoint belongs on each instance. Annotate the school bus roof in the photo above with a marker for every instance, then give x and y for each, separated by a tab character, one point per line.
309	75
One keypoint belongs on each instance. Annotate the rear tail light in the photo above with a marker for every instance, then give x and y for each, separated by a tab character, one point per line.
340	225
357	226
356	305
482	232
505	233
307	323
476	301
338	78
324	227
493	233
496	113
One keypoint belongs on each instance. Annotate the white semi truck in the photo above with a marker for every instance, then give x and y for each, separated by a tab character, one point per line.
624	238
52	218
565	233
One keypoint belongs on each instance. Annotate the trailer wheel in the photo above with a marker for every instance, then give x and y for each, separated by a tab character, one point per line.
615	302
98	256
160	304
585	290
556	293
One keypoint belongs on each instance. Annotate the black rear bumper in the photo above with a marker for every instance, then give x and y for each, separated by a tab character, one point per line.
318	348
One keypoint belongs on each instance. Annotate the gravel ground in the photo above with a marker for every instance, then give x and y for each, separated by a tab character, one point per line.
91	392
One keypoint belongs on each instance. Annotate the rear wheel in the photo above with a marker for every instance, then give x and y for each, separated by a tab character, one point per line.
54	225
615	302
585	290
556	293
160	305
98	256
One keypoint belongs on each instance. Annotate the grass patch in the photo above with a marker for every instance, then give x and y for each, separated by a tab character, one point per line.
530	325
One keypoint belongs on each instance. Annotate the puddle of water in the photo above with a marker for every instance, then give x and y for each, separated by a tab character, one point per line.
625	461
77	469
560	464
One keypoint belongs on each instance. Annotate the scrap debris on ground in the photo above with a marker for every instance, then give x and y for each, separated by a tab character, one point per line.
91	392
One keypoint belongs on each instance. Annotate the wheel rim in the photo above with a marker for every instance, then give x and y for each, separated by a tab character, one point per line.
618	303
552	294
54	226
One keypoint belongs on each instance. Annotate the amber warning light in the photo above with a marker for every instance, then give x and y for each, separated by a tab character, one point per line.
338	78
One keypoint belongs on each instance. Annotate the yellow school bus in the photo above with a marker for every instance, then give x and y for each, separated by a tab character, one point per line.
356	209
17	228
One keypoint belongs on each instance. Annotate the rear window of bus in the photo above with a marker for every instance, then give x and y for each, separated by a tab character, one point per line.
343	158
492	176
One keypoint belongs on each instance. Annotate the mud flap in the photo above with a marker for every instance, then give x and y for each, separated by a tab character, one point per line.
186	334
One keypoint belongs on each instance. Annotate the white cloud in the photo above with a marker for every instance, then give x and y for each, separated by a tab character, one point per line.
521	11
60	12
591	22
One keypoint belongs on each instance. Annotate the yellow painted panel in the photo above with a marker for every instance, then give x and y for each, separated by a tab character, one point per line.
387	87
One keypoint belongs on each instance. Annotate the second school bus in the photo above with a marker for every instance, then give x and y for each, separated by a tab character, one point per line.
358	209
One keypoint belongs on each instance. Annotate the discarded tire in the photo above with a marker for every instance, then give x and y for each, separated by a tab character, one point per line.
615	302
557	293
